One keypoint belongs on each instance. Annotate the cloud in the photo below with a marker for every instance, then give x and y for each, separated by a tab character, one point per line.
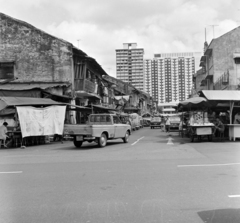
103	26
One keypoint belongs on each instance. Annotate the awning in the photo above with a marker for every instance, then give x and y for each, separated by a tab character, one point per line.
126	97
102	107
131	109
28	86
196	102
56	97
77	107
169	109
83	94
21	101
220	95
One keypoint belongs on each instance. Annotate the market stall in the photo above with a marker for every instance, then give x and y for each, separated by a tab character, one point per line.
232	99
198	124
31	119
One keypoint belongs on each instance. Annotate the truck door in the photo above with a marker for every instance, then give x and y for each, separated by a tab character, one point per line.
119	127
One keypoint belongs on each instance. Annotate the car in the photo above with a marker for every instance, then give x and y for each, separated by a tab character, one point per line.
155	122
174	122
100	128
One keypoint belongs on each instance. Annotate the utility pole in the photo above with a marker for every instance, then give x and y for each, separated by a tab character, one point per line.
213	29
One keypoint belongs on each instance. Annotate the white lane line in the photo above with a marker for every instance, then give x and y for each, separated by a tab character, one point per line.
232	196
137	141
205	165
11	172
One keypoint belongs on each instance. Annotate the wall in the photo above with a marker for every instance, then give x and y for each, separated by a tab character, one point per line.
37	55
223	49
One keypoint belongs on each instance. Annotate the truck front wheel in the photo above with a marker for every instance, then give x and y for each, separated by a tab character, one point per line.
102	140
76	143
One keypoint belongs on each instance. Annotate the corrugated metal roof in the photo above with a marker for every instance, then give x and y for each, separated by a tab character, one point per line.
26	86
217	95
21	101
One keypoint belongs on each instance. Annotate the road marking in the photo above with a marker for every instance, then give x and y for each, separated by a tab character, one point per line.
137	141
11	172
170	141
205	165
232	196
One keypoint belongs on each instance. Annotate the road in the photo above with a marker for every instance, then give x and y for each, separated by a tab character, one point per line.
156	177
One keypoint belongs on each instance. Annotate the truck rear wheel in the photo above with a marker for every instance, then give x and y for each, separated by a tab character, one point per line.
76	143
126	137
102	140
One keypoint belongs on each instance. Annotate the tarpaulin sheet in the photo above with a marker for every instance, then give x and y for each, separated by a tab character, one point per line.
41	121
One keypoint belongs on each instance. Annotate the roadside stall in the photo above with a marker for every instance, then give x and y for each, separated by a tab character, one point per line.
36	118
231	99
198	125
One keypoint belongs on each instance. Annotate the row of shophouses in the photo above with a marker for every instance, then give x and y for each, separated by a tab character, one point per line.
220	64
36	64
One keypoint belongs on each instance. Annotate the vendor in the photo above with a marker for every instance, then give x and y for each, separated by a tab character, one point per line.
219	126
237	118
211	116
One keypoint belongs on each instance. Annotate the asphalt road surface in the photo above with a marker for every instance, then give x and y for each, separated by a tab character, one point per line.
156	177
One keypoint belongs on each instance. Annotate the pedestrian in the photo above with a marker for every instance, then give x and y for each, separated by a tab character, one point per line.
3	134
167	124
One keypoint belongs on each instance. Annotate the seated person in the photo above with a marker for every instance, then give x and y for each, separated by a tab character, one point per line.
3	134
219	126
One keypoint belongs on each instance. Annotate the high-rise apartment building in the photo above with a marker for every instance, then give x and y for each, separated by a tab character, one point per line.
168	77
129	64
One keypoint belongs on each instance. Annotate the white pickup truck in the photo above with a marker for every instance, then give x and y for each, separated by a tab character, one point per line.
99	128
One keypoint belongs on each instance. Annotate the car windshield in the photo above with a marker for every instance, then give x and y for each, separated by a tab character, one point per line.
156	119
174	119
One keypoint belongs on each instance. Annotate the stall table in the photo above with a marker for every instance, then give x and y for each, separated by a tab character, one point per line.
234	131
201	130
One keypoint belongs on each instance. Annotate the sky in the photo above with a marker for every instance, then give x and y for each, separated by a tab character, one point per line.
99	27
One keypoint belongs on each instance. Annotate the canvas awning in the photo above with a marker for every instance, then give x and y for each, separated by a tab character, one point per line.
194	103
84	94
99	107
222	96
216	95
21	101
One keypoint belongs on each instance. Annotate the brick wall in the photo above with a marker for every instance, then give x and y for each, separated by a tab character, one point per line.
38	56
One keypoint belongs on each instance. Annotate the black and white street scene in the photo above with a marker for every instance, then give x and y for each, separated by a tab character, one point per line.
120	111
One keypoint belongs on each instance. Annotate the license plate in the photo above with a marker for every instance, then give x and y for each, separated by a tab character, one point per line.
79	138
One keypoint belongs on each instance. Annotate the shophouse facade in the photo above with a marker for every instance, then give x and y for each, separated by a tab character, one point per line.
221	62
36	64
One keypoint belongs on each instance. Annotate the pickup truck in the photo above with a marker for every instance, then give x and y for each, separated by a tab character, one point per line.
99	128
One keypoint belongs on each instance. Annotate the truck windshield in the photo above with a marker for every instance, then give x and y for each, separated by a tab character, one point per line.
100	118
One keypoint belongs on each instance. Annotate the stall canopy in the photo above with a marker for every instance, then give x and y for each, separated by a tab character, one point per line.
196	102
220	95
21	101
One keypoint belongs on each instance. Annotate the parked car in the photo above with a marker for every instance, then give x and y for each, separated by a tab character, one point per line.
141	121
155	122
100	128
174	122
